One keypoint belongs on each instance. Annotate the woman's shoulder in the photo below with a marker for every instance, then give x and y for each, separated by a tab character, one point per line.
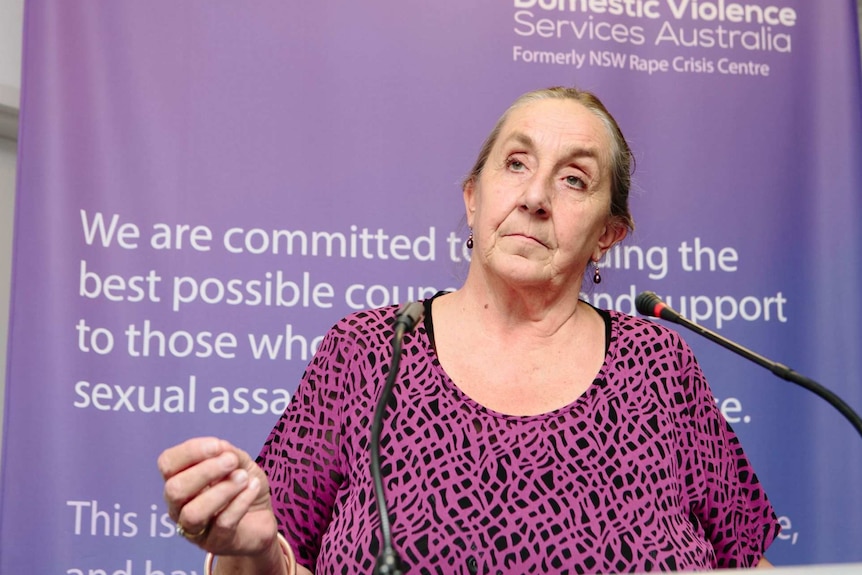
642	331
646	351
369	319
362	324
352	336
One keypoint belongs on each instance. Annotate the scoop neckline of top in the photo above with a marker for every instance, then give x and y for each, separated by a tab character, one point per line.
599	379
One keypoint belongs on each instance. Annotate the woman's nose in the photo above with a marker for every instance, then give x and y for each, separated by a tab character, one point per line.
536	197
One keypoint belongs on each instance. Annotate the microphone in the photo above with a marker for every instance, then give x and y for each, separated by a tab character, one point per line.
409	314
649	304
406	319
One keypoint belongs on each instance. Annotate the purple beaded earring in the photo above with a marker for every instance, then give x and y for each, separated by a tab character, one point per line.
597	276
470	240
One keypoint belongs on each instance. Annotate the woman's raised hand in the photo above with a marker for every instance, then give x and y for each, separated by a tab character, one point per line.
218	497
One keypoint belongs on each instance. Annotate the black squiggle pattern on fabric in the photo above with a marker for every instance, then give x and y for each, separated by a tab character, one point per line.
641	473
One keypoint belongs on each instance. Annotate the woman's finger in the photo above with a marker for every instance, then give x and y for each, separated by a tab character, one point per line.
187	454
190	483
199	514
246	526
231	514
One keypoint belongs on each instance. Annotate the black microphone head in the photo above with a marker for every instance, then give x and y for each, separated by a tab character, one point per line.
646	303
410	314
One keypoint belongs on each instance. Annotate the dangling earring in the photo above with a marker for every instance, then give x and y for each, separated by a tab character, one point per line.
470	240
597	276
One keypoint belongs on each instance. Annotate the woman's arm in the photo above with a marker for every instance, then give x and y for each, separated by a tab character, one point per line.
270	563
764	564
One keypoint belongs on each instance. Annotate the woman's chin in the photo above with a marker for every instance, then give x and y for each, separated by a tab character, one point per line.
525	272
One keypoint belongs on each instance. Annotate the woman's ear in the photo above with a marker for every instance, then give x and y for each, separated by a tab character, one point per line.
615	231
470	200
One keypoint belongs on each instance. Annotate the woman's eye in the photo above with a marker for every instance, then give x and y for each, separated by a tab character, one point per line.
576	182
514	164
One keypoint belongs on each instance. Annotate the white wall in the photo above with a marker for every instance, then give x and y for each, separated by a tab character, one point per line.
11	25
7	187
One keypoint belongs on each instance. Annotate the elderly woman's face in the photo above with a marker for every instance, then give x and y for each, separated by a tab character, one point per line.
540	210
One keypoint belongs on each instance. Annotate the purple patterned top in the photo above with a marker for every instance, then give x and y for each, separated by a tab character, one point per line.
640	473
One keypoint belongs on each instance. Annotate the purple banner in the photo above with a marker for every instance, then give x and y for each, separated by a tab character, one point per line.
205	188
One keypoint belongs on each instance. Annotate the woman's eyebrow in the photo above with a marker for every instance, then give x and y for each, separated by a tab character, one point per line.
581	151
573	151
520	138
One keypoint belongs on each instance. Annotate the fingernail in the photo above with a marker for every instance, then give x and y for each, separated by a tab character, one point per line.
254	484
210	448
240	476
228	460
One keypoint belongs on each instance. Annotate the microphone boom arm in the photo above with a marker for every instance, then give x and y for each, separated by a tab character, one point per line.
649	304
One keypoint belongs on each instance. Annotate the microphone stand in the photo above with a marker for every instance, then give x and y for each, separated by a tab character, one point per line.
649	304
388	561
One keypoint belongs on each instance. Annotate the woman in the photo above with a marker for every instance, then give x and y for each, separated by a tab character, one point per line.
530	433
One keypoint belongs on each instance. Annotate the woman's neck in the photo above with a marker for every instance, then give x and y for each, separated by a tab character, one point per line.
541	311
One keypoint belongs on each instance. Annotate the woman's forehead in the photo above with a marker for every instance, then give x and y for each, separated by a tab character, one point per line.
565	121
